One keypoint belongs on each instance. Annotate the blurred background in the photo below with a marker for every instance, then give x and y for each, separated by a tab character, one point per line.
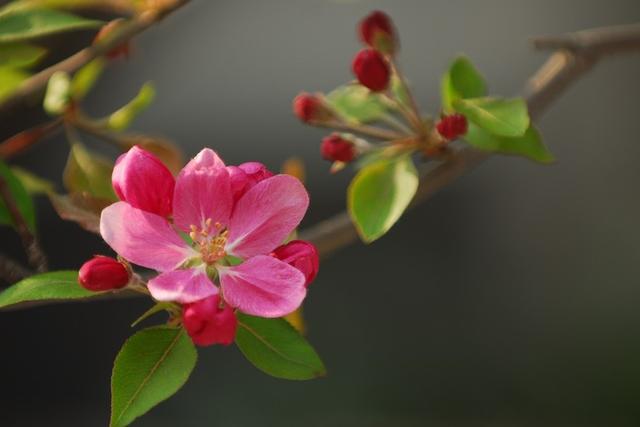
509	299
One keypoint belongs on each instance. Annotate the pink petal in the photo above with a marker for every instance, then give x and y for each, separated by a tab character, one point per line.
183	286
142	180
143	238
203	191
263	286
265	216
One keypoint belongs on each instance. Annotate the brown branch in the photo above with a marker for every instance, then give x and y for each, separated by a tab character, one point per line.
36	256
561	69
36	84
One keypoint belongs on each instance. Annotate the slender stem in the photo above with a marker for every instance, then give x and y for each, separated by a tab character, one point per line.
26	139
395	123
367	130
414	113
36	256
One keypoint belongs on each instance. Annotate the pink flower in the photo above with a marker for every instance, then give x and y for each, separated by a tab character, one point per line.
245	176
230	240
208	323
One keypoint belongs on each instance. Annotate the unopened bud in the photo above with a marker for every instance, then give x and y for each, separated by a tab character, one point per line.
208	323
452	126
310	108
103	273
371	69
336	148
301	255
376	30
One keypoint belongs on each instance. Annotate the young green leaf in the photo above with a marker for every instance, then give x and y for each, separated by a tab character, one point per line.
84	79
56	99
20	55
20	196
356	103
10	79
122	118
55	285
33	183
529	145
461	81
379	194
502	117
20	24
88	172
151	366
277	349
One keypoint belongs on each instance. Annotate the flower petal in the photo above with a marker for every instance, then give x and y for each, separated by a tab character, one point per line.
143	238
263	286
203	191
142	180
265	216
183	286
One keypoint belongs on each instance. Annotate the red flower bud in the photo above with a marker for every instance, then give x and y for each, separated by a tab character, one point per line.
207	323
371	69
122	50
310	108
103	273
452	126
301	255
336	148
245	176
376	30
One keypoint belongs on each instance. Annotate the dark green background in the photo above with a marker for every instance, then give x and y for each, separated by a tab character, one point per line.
509	299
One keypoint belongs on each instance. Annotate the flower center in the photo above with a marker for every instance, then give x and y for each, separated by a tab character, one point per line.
210	241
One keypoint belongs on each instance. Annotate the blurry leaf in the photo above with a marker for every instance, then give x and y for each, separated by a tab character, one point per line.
357	103
529	145
461	81
294	166
81	210
23	140
151	366
379	194
100	5
20	55
122	118
503	117
22	199
33	183
275	348
296	319
56	99
19	24
84	79
88	172
54	285
166	151
10	79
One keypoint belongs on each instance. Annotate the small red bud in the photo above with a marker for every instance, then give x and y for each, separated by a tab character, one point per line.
301	255
308	108
336	148
208	323
122	50
103	273
452	126
371	69
376	30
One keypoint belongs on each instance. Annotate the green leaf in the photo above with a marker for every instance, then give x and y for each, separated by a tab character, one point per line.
10	79
529	145
84	79
152	365
122	118
21	197
20	55
88	172
20	24
156	308
461	81
502	117
33	183
277	349
55	285
357	103
379	194
56	99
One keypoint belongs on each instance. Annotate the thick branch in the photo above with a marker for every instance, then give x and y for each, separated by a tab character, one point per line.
561	69
36	84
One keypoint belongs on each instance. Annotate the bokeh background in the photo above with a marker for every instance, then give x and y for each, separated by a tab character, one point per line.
509	299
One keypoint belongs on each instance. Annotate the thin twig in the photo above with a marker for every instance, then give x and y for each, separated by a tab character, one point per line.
37	83
22	141
367	130
36	256
12	271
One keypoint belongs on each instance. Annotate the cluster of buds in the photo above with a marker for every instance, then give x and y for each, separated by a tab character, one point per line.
375	68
